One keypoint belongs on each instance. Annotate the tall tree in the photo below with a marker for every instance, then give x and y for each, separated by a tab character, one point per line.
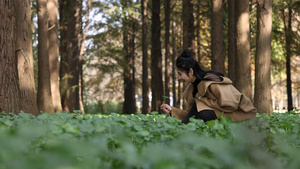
82	52
71	63
44	88
188	26
75	59
156	58
23	46
231	43
242	53
52	9
64	12
262	96
129	105
217	38
167	52
288	44
173	65
198	41
9	82
145	108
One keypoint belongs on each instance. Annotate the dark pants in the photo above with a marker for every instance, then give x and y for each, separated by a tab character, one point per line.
205	115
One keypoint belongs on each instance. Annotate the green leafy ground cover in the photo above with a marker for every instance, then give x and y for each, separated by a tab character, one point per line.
77	141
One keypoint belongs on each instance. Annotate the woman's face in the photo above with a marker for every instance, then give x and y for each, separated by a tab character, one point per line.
188	78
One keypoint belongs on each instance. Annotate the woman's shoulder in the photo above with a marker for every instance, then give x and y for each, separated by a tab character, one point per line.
213	77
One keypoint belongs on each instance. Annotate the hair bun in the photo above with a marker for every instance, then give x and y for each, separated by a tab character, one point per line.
186	53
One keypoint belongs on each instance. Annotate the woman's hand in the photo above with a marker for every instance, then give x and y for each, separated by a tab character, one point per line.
166	108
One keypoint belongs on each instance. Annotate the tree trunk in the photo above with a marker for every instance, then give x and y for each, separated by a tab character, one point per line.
145	108
217	39
71	62
288	38
262	97
231	37
156	58
198	20
129	106
75	59
52	9
133	109
81	60
28	99
44	89
242	54
167	52
188	26
173	65
9	82
64	12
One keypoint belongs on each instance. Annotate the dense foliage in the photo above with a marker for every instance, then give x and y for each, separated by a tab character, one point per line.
71	141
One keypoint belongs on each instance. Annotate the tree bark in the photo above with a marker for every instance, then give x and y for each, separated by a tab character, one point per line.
44	89
71	63
188	26
156	58
9	82
28	98
75	59
198	20
167	52
231	43
145	108
81	60
288	39
64	12
242	53
173	65
262	96
52	9
129	105
217	38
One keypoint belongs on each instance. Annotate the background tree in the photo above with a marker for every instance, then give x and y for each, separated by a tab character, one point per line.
129	106
231	40
44	88
156	58
262	96
23	46
52	10
188	26
71	63
82	53
242	53
167	50
145	90
174	92
287	20
217	38
64	12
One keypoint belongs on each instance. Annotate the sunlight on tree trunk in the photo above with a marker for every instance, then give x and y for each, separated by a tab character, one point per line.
262	96
44	88
167	52
242	53
28	98
52	9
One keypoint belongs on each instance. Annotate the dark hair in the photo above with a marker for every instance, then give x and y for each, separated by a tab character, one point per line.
185	61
